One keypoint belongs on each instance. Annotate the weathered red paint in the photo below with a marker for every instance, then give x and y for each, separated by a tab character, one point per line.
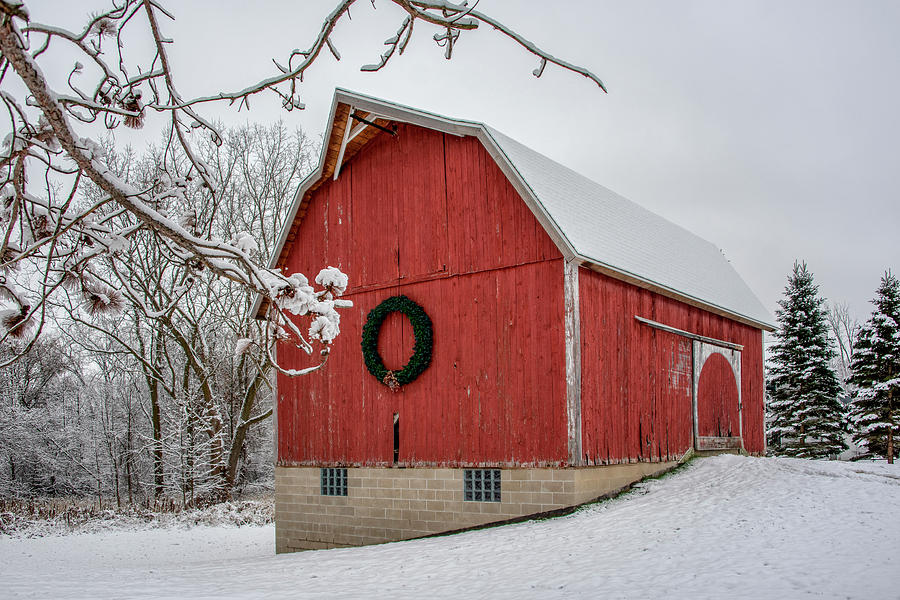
637	381
717	399
432	217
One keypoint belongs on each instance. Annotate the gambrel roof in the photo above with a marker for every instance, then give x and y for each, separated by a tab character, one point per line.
589	223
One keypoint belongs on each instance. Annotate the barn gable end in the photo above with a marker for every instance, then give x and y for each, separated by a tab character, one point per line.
429	216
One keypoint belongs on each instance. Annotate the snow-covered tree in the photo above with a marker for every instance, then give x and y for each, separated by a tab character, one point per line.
53	150
205	401
162	284
876	373
805	419
161	407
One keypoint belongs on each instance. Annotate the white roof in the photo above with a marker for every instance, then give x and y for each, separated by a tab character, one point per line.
604	228
588	222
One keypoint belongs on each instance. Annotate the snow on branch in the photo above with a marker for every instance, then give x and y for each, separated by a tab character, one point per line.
53	239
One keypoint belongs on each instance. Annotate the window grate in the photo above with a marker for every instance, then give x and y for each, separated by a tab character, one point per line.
481	485
334	482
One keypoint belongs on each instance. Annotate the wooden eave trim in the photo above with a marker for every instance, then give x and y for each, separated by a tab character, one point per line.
405	114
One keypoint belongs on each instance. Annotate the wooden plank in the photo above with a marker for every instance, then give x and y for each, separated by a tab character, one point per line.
718	443
494	226
421	191
572	343
687	334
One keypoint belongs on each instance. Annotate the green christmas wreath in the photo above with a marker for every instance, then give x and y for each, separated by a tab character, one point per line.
422	332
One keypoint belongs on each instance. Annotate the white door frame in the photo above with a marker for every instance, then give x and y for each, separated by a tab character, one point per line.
702	350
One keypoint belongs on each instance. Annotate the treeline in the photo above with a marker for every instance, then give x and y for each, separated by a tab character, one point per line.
829	378
140	396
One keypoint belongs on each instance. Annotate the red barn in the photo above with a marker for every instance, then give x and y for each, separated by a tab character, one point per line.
559	340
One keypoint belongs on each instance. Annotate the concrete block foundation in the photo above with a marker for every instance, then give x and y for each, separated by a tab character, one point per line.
391	504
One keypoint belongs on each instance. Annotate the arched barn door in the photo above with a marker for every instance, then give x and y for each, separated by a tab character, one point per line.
717	397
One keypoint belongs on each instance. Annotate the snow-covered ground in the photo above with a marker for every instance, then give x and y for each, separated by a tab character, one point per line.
724	527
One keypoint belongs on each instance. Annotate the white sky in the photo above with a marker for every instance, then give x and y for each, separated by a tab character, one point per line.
766	127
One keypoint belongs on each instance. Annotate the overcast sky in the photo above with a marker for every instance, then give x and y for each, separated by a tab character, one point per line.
769	128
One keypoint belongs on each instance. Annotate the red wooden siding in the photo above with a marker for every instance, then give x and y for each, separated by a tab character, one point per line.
717	399
426	205
636	380
432	217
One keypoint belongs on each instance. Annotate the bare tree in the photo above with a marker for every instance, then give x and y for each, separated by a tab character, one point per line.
194	383
844	330
42	438
157	285
45	161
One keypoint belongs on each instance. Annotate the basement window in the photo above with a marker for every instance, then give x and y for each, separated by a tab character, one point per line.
334	482
481	485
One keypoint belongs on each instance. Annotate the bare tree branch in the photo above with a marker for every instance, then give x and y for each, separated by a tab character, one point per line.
66	238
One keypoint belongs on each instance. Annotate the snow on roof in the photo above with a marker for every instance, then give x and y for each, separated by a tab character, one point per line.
588	222
606	229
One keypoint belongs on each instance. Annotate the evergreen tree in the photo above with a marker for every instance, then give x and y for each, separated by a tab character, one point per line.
876	372
806	419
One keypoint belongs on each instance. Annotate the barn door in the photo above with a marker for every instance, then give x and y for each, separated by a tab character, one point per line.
717	397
